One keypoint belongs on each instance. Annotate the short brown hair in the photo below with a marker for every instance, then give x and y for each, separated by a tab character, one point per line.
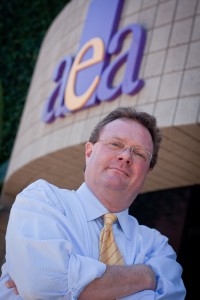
131	113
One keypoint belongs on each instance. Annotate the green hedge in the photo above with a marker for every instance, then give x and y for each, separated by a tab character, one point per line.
23	25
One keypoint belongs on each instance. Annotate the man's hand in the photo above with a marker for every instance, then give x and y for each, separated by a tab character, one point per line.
11	285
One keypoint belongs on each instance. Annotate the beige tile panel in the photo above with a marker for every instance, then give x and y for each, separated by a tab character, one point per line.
147	17
187	111
185	8
181	32
160	38
154	64
191	83
196	31
165	12
150	90
170	86
176	58
131	7
165	111
194	55
149	3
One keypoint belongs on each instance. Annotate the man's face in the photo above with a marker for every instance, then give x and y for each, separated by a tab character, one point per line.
117	178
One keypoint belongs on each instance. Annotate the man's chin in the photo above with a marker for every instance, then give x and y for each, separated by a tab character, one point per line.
116	183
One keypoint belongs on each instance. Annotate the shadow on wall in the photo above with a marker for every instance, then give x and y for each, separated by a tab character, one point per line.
175	213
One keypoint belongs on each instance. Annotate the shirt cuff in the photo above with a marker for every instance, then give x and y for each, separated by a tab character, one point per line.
82	270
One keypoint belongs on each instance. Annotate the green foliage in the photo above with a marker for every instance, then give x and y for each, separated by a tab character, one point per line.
1	114
23	25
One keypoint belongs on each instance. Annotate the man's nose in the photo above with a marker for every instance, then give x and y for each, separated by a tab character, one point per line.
126	155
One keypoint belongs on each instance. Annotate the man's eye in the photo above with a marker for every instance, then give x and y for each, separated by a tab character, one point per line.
115	144
139	153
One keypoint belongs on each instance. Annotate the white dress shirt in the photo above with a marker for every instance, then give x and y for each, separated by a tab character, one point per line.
52	246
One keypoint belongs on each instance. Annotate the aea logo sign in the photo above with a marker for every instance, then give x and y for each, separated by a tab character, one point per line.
87	79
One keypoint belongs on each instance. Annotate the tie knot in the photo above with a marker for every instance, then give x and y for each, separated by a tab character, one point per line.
109	218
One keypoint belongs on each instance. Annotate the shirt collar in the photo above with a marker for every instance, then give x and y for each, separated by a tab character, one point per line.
123	218
94	209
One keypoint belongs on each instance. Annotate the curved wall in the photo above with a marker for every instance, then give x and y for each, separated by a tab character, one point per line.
171	71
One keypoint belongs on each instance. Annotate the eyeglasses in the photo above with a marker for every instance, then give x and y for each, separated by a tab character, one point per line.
139	154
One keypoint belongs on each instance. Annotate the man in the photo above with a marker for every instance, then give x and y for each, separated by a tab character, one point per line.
52	240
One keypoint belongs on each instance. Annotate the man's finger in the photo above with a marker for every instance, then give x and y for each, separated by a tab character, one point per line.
11	284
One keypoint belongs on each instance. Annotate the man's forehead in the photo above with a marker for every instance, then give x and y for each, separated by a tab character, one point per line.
120	124
128	130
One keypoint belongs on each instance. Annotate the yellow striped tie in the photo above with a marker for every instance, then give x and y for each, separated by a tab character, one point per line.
109	252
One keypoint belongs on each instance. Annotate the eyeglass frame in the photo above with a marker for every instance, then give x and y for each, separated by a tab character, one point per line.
132	148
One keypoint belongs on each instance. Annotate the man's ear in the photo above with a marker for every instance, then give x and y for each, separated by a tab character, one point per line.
88	150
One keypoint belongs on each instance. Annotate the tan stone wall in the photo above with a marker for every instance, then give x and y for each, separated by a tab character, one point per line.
170	68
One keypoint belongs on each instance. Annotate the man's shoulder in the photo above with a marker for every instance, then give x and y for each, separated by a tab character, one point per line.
43	186
41	191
